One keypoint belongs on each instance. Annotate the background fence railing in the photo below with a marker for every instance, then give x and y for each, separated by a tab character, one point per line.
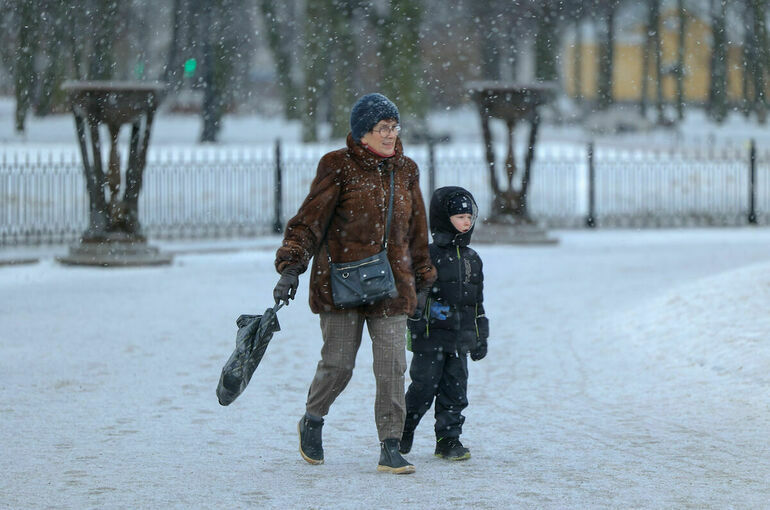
205	192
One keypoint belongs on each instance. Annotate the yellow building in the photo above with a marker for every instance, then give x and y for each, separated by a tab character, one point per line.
628	61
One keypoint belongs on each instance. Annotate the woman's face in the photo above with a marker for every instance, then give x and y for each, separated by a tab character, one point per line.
382	138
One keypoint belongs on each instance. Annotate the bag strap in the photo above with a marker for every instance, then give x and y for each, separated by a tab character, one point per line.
387	222
390	213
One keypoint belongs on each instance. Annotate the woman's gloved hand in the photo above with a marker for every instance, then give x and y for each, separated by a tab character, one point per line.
422	298
287	285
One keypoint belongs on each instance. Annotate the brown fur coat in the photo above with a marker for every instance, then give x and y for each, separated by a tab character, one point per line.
348	204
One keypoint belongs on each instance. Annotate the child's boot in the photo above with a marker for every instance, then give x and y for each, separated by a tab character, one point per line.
391	460
451	448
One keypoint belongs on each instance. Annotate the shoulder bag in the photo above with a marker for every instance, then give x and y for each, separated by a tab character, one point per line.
364	281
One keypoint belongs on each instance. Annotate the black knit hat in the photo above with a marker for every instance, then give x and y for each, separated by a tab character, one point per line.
368	111
460	204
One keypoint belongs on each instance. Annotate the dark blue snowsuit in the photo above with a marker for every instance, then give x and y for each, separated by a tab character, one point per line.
440	340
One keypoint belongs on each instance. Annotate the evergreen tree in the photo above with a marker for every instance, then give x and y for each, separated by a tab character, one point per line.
402	65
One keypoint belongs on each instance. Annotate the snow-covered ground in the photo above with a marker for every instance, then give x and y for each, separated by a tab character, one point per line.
627	369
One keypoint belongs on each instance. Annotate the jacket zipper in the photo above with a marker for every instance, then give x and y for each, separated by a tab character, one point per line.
384	207
459	295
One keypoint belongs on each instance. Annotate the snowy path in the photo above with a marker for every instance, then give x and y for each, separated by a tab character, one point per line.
626	369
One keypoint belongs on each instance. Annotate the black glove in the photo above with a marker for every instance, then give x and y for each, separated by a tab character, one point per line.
480	351
287	285
422	298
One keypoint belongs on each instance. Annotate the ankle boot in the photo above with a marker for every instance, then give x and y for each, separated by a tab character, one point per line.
451	448
310	444
391	460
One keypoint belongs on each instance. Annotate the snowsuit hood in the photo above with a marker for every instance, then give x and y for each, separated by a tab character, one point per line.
441	228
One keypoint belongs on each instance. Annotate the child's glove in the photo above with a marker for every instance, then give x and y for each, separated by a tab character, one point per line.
480	351
438	311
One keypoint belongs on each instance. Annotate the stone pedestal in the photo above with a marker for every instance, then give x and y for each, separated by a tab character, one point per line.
509	233
114	254
114	236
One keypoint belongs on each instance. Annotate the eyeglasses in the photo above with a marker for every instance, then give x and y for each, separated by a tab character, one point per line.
386	130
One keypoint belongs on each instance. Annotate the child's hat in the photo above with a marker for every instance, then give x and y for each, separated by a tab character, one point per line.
460	204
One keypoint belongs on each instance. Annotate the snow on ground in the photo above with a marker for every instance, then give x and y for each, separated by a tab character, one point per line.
627	369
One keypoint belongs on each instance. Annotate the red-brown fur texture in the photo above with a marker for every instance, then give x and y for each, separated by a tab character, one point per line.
348	203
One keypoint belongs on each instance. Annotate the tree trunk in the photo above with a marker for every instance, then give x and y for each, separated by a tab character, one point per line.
345	61
759	59
680	56
102	60
546	43
717	107
655	23
173	73
317	38
647	49
51	98
606	58
280	48
577	59
24	72
211	109
402	65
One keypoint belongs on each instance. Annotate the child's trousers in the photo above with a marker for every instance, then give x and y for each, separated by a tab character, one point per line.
445	377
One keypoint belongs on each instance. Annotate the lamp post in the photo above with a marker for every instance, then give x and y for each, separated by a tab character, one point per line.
114	236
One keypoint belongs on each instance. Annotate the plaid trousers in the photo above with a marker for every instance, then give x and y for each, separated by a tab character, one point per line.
342	332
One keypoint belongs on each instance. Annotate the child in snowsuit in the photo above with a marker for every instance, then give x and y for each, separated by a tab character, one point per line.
449	323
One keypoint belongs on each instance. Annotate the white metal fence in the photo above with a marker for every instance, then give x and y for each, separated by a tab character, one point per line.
206	192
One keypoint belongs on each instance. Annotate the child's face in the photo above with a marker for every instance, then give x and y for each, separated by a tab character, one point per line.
462	222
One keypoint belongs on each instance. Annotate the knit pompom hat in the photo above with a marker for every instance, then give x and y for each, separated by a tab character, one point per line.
368	111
